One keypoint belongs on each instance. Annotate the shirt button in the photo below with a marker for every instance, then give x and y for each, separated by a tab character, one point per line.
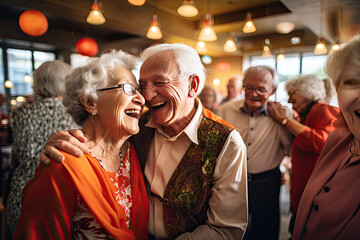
249	143
316	207
251	129
247	158
326	189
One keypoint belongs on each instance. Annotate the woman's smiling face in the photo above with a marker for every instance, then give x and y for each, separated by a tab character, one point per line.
349	97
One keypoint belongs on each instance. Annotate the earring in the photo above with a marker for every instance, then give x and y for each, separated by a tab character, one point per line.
92	117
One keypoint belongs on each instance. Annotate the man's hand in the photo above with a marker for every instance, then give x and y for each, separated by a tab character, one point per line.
70	141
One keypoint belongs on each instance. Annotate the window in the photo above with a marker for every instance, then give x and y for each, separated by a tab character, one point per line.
20	64
259	60
41	57
77	60
314	64
2	77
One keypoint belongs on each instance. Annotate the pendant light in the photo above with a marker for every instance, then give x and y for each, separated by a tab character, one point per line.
188	9
201	47
207	32
266	49
335	47
95	16
230	45
154	31
136	2
249	25
320	47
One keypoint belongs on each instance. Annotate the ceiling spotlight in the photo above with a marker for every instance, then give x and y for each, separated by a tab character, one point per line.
295	40
201	47
188	9
285	27
320	47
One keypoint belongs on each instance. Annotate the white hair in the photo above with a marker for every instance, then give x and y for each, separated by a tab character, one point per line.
85	80
49	78
336	62
186	58
257	69
310	87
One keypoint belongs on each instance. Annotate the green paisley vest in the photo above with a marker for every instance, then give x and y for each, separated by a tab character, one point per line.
186	197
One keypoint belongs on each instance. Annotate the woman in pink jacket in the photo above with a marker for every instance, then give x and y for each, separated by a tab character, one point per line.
330	204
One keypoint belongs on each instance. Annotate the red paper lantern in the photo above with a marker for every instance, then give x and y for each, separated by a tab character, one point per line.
33	22
87	46
223	66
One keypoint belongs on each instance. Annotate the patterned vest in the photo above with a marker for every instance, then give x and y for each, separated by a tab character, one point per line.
186	197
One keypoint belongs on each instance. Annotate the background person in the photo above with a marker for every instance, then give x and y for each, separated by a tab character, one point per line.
31	125
234	88
267	143
194	162
329	206
306	94
209	97
103	194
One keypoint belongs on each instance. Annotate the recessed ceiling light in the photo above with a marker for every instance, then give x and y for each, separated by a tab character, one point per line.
295	40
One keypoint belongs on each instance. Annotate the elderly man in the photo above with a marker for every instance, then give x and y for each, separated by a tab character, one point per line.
267	143
194	162
234	88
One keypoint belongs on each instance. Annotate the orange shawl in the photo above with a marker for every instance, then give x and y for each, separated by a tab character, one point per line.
50	200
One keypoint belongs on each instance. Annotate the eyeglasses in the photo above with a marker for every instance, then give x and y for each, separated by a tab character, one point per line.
128	88
259	91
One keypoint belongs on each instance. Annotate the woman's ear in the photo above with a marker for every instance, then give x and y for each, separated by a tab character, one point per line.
89	104
194	85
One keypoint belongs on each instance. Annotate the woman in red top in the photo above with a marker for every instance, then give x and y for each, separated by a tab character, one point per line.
316	120
100	195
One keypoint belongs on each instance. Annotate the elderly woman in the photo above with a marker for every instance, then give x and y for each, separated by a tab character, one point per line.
306	93
102	195
32	124
329	207
209	97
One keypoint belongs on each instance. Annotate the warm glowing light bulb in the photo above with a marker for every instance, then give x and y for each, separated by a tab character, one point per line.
216	82
8	84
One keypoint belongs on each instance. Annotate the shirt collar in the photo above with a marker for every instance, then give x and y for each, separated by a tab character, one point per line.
261	111
190	130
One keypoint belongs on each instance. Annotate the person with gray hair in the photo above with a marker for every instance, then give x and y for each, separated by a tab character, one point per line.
31	125
102	194
329	206
194	162
306	94
267	144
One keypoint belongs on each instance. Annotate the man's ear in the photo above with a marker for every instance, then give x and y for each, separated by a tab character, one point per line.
194	85
89	104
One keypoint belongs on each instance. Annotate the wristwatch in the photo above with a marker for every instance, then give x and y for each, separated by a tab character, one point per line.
284	121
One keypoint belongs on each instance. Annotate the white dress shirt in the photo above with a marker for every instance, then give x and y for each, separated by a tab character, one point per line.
227	211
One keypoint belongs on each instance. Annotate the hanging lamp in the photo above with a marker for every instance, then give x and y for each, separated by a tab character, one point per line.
320	47
207	32
230	45
96	16
249	25
33	22
188	9
201	47
154	31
